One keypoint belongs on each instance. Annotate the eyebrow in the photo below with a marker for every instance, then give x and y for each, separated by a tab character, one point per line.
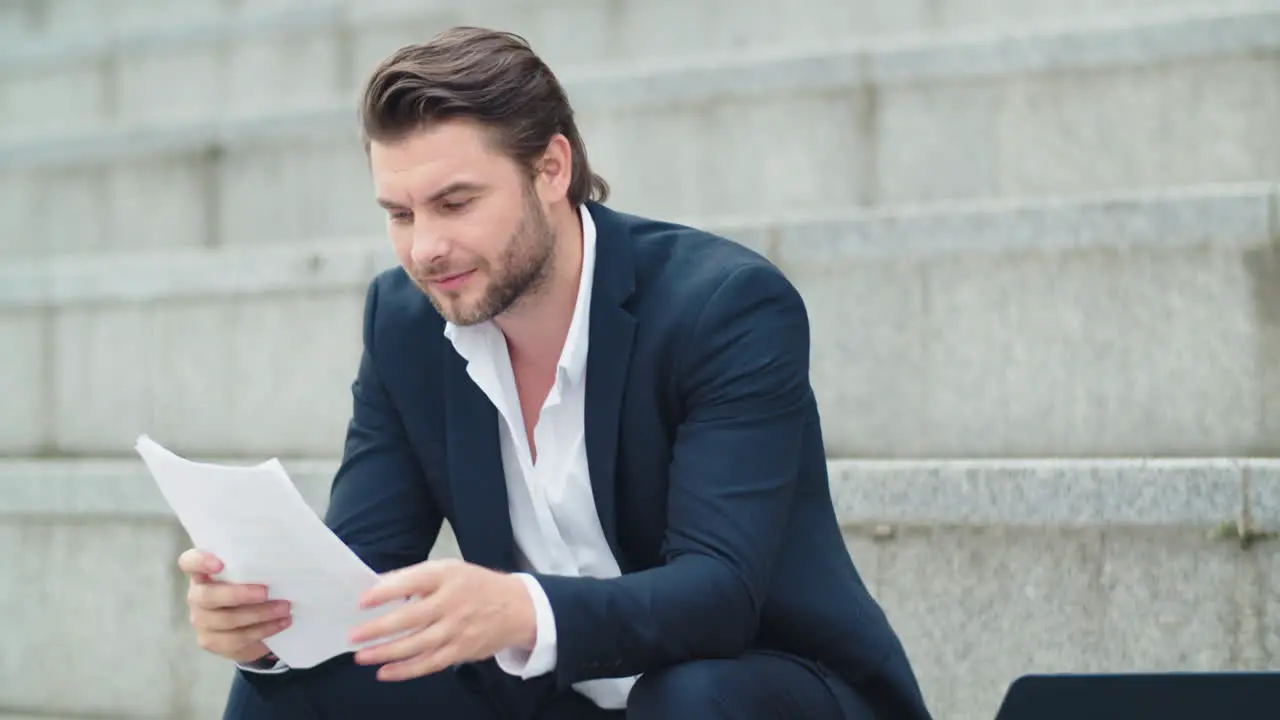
447	190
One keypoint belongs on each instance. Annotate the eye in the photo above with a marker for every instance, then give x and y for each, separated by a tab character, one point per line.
455	205
401	217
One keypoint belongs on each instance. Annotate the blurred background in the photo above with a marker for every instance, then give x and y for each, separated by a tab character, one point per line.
1037	238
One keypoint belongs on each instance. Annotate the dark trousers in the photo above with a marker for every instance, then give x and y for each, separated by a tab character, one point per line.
757	685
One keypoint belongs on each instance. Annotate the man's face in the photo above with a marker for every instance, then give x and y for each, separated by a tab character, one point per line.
465	220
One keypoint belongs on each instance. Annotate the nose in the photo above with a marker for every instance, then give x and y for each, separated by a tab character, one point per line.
429	245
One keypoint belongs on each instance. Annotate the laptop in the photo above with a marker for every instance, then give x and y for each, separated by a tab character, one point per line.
1143	696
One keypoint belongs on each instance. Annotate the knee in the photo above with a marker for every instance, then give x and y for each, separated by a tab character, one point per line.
699	688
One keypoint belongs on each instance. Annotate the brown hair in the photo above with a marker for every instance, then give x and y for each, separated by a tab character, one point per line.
488	76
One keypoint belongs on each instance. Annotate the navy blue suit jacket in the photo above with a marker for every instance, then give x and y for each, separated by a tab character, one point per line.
705	454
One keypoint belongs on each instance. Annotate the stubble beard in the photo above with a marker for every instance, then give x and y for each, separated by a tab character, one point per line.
522	271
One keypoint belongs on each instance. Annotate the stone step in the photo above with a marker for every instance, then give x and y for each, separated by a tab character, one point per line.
68	22
1121	106
43	33
1097	565
1111	326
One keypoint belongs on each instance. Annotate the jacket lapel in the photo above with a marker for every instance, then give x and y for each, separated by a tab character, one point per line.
612	332
483	526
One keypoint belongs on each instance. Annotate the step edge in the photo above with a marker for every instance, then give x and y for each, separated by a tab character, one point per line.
693	80
1208	493
1239	215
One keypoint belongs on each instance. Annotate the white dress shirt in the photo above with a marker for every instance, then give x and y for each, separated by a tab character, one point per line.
552	507
553	514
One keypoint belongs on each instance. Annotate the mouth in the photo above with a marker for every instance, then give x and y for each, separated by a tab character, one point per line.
451	282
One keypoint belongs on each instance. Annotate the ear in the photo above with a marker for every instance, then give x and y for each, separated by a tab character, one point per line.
555	170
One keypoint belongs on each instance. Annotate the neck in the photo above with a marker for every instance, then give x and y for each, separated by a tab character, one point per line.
537	327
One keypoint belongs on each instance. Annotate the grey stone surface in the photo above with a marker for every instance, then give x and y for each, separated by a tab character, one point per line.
965	604
1217	110
1201	493
211	376
1082	599
341	206
1121	325
239	271
1232	217
979	606
1265	598
138	73
1110	41
307	391
976	493
989	570
53	32
915	161
156	203
121	489
1091	109
16	226
209	680
1173	603
62	99
74	596
740	69
1035	350
1218	215
25	382
1127	493
72	32
56	210
688	159
1262	483
1197	494
105	370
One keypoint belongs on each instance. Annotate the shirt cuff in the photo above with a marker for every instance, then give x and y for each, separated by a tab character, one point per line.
542	660
276	669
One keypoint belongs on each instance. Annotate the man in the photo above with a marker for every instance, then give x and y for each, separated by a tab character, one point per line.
615	416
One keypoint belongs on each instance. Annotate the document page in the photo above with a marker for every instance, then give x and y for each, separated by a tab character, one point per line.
255	521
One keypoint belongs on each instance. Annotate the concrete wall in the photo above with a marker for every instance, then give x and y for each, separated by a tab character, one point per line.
989	570
177	147
570	30
1142	325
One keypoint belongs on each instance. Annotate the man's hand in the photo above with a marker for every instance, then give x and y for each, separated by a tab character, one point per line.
229	620
460	613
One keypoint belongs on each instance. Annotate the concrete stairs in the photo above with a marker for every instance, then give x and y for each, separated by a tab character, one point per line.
238	153
1124	326
989	568
1037	240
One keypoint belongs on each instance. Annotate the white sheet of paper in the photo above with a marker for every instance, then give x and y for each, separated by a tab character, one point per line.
259	525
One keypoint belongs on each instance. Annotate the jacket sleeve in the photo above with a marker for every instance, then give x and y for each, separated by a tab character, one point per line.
379	502
743	374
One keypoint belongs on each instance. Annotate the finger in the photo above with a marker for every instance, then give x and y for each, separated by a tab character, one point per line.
421	579
241	617
410	616
423	642
214	596
197	561
419	666
244	644
264	630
